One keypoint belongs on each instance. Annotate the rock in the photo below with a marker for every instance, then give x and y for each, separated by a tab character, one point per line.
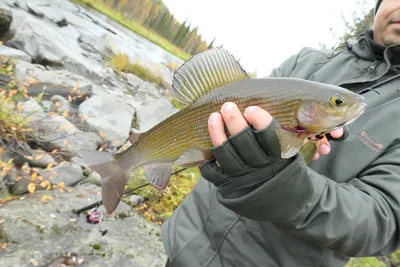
5	21
12	53
136	200
153	113
122	239
103	44
46	46
3	186
38	158
93	178
55	15
112	118
19	187
69	173
150	89
60	104
54	82
55	131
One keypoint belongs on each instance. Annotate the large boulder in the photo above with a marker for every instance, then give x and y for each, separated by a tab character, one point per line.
112	118
54	131
153	113
48	46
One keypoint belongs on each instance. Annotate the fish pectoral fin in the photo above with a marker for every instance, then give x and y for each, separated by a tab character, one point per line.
291	142
204	72
308	151
158	174
194	157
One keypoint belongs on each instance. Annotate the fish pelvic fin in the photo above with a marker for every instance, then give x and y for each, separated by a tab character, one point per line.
291	142
204	72
113	176
308	151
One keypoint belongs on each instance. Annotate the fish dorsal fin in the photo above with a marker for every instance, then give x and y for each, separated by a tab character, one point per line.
203	73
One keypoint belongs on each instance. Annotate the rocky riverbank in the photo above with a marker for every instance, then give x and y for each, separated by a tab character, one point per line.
73	100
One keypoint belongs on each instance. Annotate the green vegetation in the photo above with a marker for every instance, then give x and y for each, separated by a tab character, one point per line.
152	20
159	205
121	63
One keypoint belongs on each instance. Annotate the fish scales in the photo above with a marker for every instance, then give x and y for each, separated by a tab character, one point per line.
188	128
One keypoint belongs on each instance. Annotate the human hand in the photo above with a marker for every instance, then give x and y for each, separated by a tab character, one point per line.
257	117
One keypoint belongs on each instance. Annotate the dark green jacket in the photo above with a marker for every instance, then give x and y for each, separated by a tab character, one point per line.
343	205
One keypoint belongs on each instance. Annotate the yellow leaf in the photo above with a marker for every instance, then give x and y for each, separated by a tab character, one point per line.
39	156
65	114
101	135
10	161
41	178
46	197
49	165
31	187
33	177
44	184
61	185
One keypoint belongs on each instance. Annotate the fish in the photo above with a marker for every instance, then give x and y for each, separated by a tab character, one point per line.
202	84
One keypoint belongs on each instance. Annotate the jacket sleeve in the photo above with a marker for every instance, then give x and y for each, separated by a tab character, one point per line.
358	218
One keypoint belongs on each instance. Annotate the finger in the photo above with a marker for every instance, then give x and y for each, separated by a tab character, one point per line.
216	129
257	117
316	156
324	147
234	120
337	133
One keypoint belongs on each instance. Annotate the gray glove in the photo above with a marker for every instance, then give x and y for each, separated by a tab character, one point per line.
247	160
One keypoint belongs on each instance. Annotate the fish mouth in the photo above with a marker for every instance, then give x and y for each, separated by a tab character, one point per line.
357	108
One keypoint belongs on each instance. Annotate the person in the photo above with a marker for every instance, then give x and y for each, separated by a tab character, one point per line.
346	203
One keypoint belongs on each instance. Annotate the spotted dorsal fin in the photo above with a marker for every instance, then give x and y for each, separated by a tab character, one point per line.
203	73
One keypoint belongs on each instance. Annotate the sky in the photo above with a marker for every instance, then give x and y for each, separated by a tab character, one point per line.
263	33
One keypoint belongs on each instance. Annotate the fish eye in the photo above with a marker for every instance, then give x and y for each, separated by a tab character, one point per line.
337	100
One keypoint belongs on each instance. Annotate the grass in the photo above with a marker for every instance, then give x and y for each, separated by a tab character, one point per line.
122	64
159	205
135	27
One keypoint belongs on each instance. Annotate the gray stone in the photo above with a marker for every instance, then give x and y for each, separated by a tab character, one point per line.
153	113
37	158
60	104
136	200
48	47
56	131
112	118
5	21
55	15
69	173
53	231
12	53
93	178
103	44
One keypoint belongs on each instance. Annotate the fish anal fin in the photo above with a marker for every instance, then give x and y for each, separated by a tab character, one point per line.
291	142
204	72
158	174
194	157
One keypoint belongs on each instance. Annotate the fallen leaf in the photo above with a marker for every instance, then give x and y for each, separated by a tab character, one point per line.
31	187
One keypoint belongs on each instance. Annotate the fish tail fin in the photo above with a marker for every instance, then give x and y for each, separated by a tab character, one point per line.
113	176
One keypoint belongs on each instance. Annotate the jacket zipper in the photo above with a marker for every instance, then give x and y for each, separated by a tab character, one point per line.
373	66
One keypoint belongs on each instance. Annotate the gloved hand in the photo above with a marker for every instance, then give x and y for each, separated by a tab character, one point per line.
246	160
251	155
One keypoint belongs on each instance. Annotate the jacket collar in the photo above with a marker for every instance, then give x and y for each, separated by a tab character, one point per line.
363	49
